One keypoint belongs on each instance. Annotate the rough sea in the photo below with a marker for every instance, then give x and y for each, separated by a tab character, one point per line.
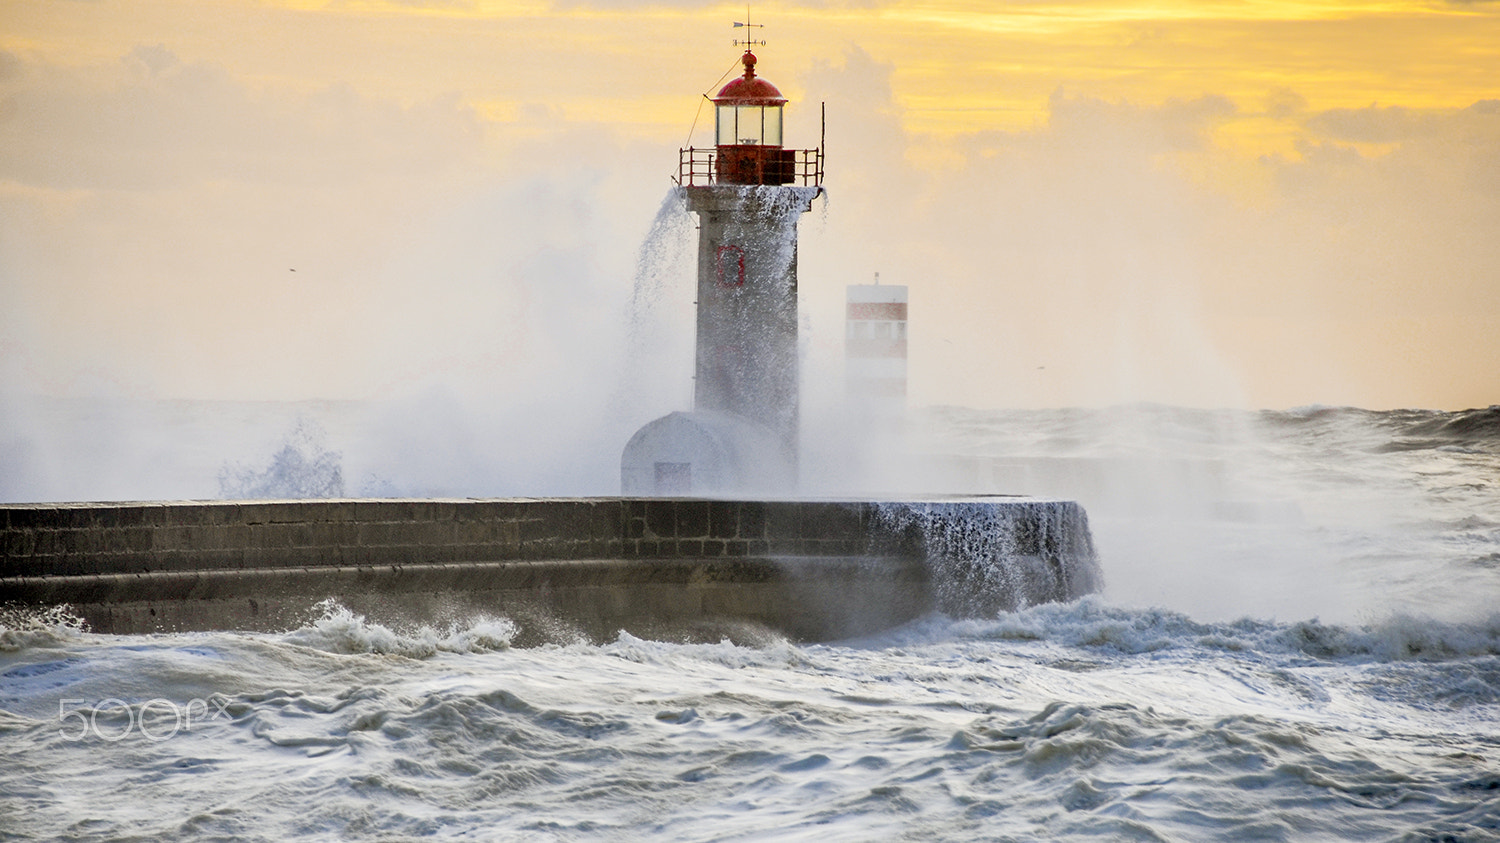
1299	639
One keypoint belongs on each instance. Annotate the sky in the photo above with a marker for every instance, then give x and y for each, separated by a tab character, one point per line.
1215	204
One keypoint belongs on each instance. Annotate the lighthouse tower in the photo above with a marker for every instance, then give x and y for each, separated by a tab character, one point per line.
748	192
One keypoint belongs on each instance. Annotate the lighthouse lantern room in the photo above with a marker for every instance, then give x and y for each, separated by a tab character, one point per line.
748	110
747	136
747	140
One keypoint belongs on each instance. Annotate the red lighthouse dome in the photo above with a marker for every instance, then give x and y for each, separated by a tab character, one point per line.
749	89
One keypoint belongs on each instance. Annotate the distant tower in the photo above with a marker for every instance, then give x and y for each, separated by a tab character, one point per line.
875	346
748	192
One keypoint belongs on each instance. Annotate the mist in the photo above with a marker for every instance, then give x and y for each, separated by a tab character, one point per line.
202	273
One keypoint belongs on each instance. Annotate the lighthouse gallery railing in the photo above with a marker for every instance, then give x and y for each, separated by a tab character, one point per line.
699	168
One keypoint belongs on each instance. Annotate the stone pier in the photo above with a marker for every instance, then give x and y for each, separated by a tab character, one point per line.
660	567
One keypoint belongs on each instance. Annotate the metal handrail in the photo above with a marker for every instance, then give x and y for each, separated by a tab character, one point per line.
695	167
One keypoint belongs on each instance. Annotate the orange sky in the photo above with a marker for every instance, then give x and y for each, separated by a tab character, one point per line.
1211	203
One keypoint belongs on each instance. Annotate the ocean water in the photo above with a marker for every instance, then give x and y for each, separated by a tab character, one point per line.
1299	639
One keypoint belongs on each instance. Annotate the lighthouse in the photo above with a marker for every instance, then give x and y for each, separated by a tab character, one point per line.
748	192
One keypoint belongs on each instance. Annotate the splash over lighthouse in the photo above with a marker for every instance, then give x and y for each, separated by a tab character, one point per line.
748	192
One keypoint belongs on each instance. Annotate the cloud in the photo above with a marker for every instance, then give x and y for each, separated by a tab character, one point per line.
1391	124
10	66
1057	265
171	231
1284	103
156	208
1133	253
153	121
1175	125
179	233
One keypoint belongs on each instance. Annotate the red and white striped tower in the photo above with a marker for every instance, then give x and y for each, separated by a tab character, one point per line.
875	346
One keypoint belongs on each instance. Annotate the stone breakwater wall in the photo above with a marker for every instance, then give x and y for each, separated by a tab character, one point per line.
561	568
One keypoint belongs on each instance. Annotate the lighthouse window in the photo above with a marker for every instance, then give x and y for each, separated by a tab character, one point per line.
771	122
755	125
725	125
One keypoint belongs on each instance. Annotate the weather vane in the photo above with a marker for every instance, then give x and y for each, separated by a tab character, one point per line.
748	42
